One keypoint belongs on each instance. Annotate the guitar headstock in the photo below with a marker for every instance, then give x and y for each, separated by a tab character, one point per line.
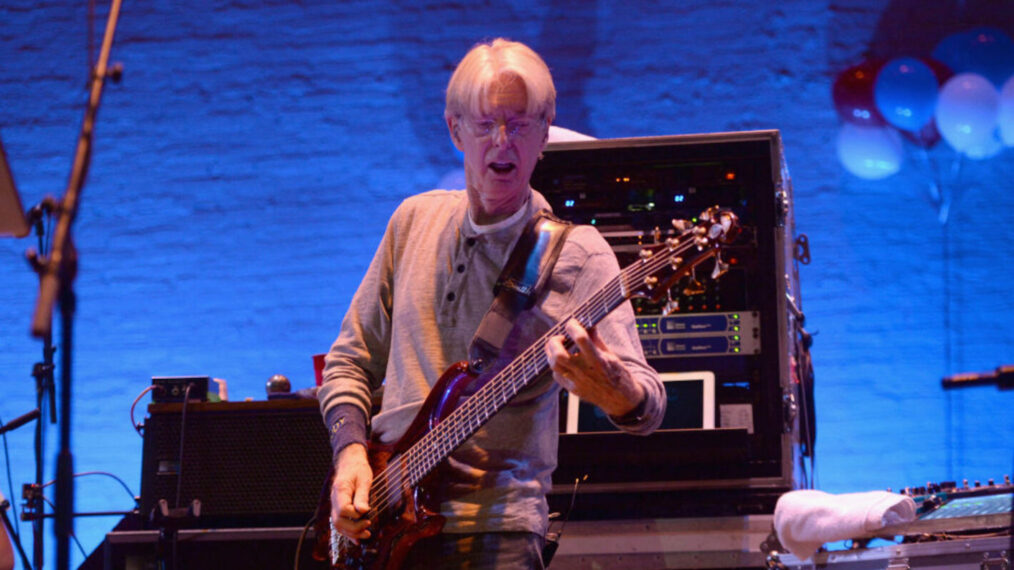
663	264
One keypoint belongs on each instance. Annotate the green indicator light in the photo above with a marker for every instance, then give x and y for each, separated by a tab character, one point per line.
736	328
736	349
735	315
735	337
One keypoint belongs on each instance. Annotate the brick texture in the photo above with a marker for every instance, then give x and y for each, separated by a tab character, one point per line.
244	168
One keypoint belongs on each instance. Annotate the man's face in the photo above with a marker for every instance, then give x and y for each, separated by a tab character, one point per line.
501	147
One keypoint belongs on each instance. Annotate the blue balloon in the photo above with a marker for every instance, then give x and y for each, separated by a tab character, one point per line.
869	152
953	51
906	93
992	55
988	52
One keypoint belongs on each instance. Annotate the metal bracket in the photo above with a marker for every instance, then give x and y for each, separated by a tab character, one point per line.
1001	563
781	205
790	408
801	251
898	564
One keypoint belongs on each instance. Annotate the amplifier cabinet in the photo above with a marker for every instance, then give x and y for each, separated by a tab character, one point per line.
742	331
269	548
249	463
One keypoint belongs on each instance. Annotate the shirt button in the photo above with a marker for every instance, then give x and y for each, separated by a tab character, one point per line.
450	296
461	268
470	242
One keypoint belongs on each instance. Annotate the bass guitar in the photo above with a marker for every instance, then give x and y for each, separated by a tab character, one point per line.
403	504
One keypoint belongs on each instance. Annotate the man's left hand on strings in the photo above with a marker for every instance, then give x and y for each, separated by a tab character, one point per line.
592	372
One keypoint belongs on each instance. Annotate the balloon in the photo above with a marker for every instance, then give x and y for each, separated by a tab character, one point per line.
991	55
967	111
853	94
988	148
1006	114
985	51
905	92
953	51
940	69
869	152
926	137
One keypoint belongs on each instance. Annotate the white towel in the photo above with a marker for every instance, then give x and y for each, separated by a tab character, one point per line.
805	520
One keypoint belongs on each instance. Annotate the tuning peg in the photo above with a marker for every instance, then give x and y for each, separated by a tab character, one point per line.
727	220
671	305
682	225
720	267
693	287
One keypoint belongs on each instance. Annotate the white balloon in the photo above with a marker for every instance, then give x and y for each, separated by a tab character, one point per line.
869	152
1006	115
985	149
967	111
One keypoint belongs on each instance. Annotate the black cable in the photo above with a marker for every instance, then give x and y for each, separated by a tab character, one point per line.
4	505
549	548
302	537
179	471
10	487
183	426
72	535
105	473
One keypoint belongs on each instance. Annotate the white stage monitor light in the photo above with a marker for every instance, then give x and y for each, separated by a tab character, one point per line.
690	405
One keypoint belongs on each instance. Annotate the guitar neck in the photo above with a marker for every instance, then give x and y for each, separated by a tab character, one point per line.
407	469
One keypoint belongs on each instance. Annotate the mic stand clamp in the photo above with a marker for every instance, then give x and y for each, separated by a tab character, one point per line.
169	521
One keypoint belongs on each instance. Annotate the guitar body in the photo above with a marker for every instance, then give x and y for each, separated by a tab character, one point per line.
406	491
417	513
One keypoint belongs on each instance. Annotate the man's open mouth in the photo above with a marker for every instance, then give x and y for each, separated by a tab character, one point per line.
502	167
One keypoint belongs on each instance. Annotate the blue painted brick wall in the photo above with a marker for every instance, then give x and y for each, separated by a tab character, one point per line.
246	165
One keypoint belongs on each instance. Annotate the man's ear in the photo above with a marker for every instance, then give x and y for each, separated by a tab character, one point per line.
455	130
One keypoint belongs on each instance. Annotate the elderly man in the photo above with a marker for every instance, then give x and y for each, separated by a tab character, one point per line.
423	297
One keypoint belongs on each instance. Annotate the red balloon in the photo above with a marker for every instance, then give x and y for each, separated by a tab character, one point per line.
940	70
853	94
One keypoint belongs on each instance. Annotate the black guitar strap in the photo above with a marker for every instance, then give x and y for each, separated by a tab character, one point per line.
522	279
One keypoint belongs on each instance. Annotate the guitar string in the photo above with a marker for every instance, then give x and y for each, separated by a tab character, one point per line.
438	439
442	442
501	390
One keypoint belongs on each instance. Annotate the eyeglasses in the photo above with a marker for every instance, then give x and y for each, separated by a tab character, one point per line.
513	128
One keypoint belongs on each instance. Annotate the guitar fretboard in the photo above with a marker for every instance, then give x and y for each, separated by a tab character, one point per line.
405	471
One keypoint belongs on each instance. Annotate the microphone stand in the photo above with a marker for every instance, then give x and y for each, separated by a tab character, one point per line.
44	385
4	503
57	284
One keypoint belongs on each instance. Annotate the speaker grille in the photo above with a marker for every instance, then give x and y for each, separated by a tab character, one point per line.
249	463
